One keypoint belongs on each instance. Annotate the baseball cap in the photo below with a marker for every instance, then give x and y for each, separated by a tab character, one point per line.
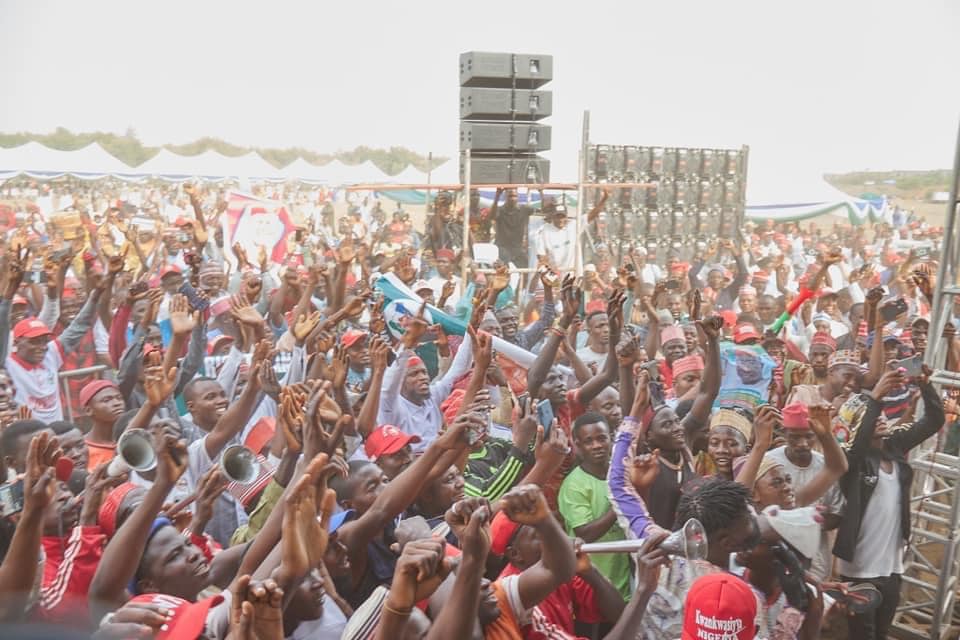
189	618
338	519
31	328
168	270
93	388
502	531
745	331
387	439
351	337
719	605
420	285
19	299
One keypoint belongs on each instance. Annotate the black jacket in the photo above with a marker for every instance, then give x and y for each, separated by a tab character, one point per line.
858	483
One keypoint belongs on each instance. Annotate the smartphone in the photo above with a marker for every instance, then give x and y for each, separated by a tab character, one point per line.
11	498
913	365
812	253
891	310
657	396
545	416
35	277
57	256
197	302
672	284
922	253
653	369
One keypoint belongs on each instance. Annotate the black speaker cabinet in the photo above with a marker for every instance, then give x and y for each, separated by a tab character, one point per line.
504	137
506	169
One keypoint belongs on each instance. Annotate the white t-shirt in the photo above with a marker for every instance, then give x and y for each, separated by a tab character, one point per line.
879	550
329	626
832	502
559	245
588	356
37	385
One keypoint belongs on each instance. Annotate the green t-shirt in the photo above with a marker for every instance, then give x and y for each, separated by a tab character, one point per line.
584	498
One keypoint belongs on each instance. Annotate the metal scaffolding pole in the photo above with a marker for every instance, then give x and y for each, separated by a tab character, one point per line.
931	566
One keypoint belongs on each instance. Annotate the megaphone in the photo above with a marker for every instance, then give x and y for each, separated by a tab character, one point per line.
134	451
239	464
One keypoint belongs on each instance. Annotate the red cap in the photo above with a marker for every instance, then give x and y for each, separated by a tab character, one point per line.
387	439
796	416
19	299
182	222
596	305
745	331
451	406
214	344
502	530
167	270
93	388
351	337
189	618
729	317
107	516
719	605
822	337
445	253
30	328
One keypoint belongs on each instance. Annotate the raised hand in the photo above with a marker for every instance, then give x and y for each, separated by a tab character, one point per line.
182	322
711	327
419	571
339	366
290	418
244	313
379	354
482	343
642	396
571	297
615	313
256	610
890	380
768	418
241	255
346	252
305	325
354	305
171	457
269	383
157	385
551	450
470	521
17	261
115	263
501	276
525	504
212	485
820	416
39	480
694	304
416	326
525	426
643	469
447	290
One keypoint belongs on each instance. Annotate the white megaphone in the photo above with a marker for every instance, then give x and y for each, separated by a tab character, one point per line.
134	451
239	464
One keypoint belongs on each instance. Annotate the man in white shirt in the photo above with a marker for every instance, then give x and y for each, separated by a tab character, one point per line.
37	357
556	241
411	402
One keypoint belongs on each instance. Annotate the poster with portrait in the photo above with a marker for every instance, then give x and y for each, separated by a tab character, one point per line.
256	222
746	372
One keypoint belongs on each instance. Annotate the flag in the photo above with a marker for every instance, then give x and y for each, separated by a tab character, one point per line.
256	222
393	289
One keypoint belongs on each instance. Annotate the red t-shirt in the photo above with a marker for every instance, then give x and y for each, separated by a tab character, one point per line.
570	602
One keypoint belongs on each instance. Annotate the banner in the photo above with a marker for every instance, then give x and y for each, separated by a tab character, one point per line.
256	222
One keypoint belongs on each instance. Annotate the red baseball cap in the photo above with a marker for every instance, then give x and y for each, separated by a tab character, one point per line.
19	299
168	270
387	439
502	531
189	618
745	331
719	605
31	328
351	337
93	388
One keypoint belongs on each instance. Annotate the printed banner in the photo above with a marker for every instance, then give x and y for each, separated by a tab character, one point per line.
256	222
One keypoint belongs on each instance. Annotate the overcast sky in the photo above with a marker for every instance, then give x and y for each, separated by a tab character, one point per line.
822	86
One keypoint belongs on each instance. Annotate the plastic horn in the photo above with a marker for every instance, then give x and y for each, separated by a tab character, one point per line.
690	541
239	464
134	451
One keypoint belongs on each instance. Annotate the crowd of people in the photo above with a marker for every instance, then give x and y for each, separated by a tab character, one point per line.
258	449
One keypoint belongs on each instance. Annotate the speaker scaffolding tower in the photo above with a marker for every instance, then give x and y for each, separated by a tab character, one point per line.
932	562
